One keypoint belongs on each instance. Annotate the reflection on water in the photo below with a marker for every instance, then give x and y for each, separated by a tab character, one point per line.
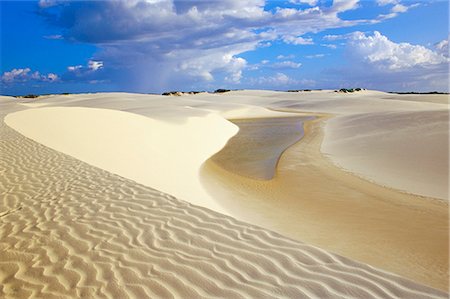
255	150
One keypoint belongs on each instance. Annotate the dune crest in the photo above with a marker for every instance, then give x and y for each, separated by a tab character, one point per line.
164	155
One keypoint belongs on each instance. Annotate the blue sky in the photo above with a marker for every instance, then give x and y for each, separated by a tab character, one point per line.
52	46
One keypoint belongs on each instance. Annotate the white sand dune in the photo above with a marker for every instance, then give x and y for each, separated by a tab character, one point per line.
407	149
99	228
158	141
416	128
69	229
250	104
164	155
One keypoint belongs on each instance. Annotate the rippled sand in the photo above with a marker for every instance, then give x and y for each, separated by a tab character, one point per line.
313	200
69	229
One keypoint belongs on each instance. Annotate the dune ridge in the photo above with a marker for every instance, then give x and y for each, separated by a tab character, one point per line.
70	229
260	103
166	156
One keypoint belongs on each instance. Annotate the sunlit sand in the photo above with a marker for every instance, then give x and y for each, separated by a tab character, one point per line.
243	194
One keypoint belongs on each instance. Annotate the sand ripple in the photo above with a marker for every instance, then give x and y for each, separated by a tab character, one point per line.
69	229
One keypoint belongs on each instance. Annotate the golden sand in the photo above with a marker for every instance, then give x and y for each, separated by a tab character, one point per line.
70	228
311	199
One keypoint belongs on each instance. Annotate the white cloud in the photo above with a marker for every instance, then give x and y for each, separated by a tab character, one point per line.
309	2
332	37
281	57
396	9
280	80
442	47
91	73
286	65
74	68
16	75
82	71
24	75
331	46
376	62
344	5
297	40
399	8
379	51
275	80
95	65
171	43
386	2
52	77
283	64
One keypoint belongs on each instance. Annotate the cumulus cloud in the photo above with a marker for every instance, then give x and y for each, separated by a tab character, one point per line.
25	75
394	66
168	43
90	73
442	47
379	51
16	75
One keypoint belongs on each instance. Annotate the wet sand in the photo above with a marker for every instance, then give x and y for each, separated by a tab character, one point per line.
254	152
311	199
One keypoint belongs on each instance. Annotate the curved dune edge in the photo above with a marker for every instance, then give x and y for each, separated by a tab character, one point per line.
73	230
166	156
255	150
312	200
416	127
405	150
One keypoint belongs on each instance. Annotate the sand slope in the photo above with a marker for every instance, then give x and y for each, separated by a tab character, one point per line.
399	138
69	229
406	113
312	200
408	149
161	154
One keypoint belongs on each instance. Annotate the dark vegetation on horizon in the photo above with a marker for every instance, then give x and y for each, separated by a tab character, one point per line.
222	90
347	90
415	92
300	90
33	96
28	96
179	93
